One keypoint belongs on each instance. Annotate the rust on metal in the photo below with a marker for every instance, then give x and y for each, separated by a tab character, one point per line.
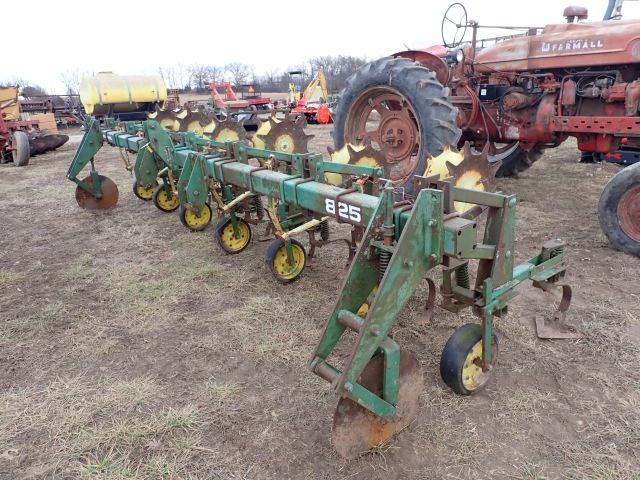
629	213
357	430
384	119
108	194
286	135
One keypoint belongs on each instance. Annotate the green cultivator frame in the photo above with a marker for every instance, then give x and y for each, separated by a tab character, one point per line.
395	243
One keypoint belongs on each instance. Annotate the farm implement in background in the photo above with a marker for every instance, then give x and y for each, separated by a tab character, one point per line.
396	240
21	139
313	103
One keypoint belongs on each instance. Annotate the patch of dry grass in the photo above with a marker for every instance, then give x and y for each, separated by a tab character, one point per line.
266	327
9	277
108	428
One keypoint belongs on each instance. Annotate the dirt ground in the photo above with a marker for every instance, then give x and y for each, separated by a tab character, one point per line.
132	348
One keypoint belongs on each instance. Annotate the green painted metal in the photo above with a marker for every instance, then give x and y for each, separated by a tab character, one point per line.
400	244
146	167
89	146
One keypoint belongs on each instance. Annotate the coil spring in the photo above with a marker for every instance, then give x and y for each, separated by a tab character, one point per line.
556	251
259	207
384	258
324	230
462	276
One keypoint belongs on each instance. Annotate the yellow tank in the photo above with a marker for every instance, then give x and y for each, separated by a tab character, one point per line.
108	93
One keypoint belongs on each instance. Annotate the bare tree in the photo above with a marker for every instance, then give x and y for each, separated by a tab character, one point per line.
168	75
215	73
337	69
182	76
14	82
198	76
71	81
240	72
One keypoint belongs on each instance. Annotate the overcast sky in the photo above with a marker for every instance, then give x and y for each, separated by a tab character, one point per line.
42	39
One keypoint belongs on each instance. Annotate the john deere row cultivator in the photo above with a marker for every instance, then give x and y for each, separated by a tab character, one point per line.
397	238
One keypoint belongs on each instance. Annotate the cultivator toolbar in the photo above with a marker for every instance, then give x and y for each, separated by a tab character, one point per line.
395	242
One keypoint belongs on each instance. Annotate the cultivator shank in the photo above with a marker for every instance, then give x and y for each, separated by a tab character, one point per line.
395	243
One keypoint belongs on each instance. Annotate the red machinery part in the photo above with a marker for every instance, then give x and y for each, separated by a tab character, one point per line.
323	115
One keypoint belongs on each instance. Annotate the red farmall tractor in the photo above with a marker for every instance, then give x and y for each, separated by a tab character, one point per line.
509	98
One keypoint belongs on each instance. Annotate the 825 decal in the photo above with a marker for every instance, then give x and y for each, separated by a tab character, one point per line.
350	212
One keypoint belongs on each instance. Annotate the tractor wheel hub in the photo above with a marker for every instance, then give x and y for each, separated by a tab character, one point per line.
397	136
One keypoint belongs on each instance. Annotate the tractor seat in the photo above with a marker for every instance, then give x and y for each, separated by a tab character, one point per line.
573	12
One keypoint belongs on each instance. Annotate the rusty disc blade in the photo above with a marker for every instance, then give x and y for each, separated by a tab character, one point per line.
108	199
46	143
357	430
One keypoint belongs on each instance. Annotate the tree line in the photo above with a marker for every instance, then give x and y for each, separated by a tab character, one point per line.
196	77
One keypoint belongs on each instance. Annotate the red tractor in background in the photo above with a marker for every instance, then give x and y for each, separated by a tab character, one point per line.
510	97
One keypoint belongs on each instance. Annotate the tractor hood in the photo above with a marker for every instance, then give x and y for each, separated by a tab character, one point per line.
564	46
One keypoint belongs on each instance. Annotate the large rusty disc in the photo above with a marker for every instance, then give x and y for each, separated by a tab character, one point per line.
357	430
108	199
285	136
228	130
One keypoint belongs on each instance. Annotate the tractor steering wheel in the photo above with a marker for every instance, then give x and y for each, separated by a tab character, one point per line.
455	16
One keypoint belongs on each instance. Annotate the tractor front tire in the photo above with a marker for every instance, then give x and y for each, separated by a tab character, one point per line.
21	151
619	210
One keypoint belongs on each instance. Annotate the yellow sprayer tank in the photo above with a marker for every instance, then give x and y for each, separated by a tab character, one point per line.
107	93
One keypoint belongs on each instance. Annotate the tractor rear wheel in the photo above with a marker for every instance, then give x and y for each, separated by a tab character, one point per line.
619	210
21	151
515	160
401	109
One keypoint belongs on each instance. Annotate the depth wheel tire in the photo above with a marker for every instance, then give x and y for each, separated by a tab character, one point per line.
457	367
226	238
164	201
194	222
142	192
517	161
277	260
21	150
421	98
619	210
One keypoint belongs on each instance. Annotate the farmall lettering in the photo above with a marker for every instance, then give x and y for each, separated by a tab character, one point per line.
571	45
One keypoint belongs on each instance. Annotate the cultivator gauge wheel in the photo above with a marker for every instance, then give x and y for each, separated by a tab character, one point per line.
469	169
230	240
285	136
108	194
228	130
357	430
164	199
196	221
283	268
143	192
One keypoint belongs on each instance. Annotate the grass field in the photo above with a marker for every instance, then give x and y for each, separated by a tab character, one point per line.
134	349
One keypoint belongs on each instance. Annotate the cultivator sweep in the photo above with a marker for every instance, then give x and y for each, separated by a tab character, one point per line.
397	239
